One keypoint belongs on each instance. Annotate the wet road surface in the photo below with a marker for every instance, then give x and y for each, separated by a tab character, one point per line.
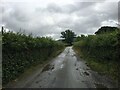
65	71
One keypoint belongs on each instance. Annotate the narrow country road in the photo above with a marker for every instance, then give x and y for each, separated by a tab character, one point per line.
65	71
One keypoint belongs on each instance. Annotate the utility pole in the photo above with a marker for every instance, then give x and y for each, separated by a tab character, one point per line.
2	29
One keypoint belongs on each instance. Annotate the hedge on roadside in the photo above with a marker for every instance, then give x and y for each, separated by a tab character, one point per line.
102	49
20	51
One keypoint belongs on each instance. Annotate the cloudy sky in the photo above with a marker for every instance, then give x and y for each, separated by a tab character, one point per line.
50	17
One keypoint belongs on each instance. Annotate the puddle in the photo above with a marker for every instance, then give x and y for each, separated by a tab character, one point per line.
76	68
37	81
75	64
86	73
73	55
61	66
100	86
48	67
87	68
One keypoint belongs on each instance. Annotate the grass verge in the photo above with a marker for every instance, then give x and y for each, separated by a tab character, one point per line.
104	68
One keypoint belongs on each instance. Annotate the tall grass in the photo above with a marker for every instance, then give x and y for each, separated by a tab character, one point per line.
20	51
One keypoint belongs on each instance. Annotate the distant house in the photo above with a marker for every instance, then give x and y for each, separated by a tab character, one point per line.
106	29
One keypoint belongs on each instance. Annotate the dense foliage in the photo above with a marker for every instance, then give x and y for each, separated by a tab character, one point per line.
68	36
101	49
20	51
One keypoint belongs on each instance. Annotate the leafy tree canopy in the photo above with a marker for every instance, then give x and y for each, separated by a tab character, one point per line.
68	36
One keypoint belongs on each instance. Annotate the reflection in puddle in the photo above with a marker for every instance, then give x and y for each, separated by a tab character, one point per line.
61	66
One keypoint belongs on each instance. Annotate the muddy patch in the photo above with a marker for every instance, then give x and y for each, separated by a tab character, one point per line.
48	67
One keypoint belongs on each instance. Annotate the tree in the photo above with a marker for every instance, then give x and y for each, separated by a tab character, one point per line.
68	36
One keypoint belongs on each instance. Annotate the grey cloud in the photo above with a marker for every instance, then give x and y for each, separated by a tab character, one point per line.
20	16
54	8
70	8
78	6
81	17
